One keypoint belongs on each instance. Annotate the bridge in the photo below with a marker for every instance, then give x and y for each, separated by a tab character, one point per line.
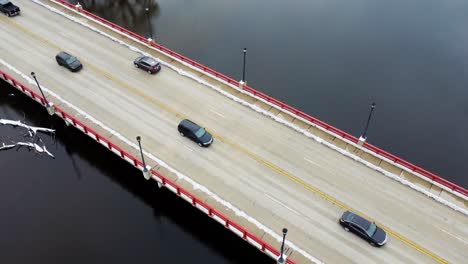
271	166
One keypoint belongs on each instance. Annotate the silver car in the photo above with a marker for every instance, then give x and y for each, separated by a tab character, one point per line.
148	64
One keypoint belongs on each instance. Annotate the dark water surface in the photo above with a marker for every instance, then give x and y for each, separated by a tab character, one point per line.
329	58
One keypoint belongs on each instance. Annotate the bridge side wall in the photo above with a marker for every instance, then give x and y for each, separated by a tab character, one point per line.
372	154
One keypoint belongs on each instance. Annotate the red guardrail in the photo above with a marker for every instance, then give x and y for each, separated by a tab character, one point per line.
219	217
313	120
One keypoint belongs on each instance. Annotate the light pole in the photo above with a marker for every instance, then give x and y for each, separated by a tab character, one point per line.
149	23
368	121
243	68
145	170
138	138
48	105
43	96
281	259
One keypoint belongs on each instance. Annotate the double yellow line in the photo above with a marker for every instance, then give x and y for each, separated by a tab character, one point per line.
333	200
239	148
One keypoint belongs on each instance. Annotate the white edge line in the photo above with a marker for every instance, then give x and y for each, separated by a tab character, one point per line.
282	204
185	146
310	161
447	232
221	115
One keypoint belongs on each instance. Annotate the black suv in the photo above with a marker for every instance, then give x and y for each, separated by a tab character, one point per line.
196	133
148	64
363	228
68	61
9	9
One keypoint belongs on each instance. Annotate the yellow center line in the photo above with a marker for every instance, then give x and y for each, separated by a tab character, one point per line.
241	149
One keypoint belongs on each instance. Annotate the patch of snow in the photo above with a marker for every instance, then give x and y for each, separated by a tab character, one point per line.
35	147
29	128
32	132
4	147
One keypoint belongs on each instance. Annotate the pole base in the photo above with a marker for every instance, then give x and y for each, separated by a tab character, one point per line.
78	7
50	108
150	41
147	173
241	84
361	141
281	261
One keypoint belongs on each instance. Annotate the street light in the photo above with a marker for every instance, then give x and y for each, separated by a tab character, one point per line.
138	138
43	96
149	23
243	68
368	121
281	260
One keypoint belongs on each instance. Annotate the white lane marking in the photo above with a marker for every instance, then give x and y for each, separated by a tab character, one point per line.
275	200
188	148
221	115
185	146
308	160
447	232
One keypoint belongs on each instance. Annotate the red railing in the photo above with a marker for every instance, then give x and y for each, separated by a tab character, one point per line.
313	120
219	217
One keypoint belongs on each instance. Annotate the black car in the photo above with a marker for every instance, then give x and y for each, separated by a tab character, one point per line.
363	228
68	61
148	64
8	8
196	133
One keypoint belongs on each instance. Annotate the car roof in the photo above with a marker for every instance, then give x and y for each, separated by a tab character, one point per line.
63	55
4	2
149	60
358	220
190	125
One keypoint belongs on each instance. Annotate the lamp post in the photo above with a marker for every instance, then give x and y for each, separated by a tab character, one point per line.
149	23
43	96
364	135
243	68
48	105
281	259
145	170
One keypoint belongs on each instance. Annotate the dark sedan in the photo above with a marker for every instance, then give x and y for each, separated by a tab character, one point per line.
8	8
68	61
148	64
363	228
195	132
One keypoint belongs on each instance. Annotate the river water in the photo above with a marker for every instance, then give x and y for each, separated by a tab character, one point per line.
330	59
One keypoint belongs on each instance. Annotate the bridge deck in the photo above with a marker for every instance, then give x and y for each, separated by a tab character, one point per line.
264	168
